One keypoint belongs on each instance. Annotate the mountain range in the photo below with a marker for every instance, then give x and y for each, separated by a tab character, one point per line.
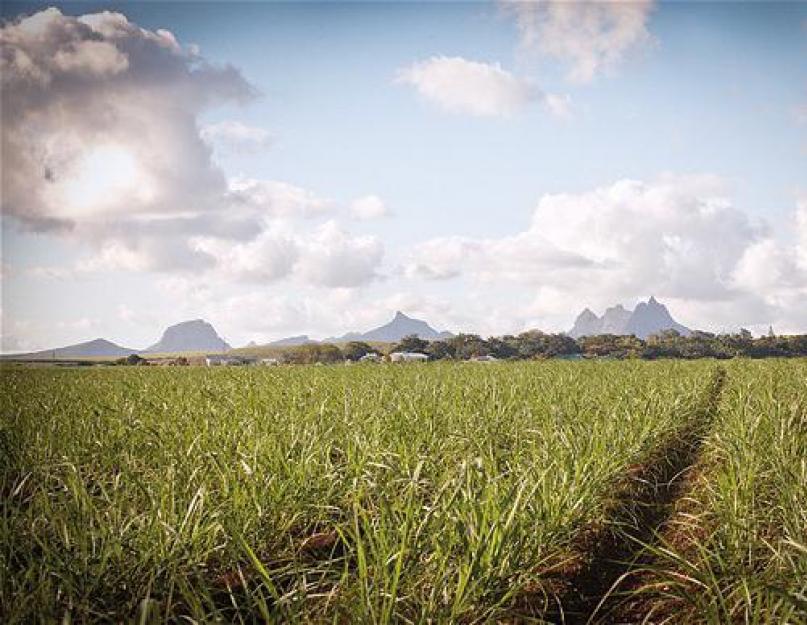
647	318
199	336
400	326
189	336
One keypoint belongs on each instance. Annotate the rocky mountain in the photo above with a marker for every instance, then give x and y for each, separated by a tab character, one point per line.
648	318
88	349
189	336
615	320
586	324
652	317
400	326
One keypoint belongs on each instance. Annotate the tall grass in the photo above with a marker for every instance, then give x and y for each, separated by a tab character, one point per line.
374	494
739	553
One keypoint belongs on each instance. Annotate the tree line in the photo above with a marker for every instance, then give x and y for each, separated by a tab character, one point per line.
539	345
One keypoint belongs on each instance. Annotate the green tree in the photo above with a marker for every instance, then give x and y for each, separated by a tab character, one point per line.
355	350
313	353
412	343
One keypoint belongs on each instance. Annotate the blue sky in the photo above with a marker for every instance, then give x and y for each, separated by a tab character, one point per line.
518	170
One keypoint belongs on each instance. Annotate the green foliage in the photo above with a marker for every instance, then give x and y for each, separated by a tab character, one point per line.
355	350
412	343
312	353
132	360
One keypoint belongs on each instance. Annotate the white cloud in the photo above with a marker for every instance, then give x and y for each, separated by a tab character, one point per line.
801	229
443	258
679	238
458	85
102	146
268	257
231	136
461	86
100	136
559	105
326	256
590	37
368	207
276	199
333	258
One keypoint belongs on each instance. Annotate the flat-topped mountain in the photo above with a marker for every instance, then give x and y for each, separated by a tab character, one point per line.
648	318
189	336
400	326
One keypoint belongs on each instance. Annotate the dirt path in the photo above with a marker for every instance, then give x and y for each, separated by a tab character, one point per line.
644	501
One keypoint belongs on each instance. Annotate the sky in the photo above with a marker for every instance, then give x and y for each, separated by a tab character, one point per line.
311	168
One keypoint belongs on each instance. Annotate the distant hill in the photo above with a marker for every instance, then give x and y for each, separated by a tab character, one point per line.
189	336
400	326
302	339
648	318
98	348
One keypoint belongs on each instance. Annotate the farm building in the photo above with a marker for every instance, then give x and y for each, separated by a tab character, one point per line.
483	359
269	362
408	357
218	360
370	358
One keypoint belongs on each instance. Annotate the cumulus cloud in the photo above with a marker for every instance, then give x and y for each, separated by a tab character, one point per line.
325	256
678	237
99	121
458	85
368	207
590	37
333	258
268	257
101	145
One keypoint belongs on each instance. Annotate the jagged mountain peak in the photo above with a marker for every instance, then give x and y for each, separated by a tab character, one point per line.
647	318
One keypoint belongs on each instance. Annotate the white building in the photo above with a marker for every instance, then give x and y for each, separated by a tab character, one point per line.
218	360
407	357
486	358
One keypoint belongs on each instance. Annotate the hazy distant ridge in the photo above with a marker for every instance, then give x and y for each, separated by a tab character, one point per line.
400	326
97	348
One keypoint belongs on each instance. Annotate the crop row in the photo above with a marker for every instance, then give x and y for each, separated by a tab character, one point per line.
736	551
436	493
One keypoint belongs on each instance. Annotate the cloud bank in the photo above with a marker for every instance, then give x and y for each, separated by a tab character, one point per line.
678	237
102	146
